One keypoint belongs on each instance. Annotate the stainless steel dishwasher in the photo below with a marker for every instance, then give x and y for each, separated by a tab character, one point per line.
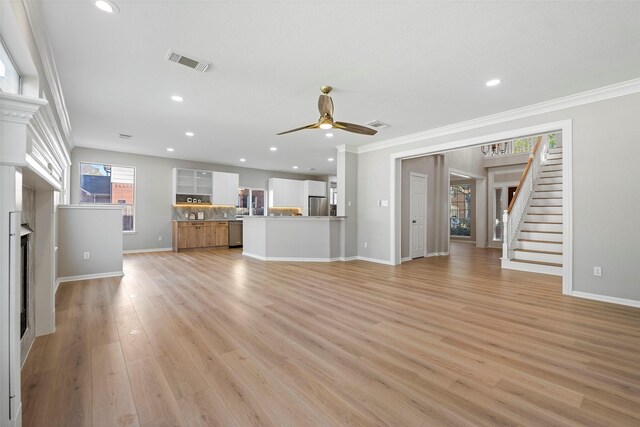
235	234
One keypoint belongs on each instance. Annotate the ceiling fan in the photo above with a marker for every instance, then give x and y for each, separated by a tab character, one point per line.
325	105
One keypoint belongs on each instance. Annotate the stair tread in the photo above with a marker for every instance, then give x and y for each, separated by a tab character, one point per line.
537	231
549	183
548	197
536	251
542	222
546	191
550	264
539	241
545	206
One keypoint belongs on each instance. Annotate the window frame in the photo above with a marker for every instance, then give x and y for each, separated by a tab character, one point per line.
251	190
15	66
469	208
135	191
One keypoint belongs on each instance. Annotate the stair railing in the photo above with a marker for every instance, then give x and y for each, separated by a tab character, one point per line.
512	217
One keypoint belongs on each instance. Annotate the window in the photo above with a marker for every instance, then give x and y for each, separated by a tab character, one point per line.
9	75
460	211
107	184
250	201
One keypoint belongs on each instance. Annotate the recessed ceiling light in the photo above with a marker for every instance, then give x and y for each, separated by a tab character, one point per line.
107	6
243	160
273	148
189	133
295	167
177	98
170	150
493	82
328	135
330	159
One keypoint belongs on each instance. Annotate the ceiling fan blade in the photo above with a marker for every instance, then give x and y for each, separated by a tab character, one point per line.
325	105
350	127
312	126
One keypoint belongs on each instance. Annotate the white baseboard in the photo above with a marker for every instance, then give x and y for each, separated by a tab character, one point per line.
88	277
297	259
376	260
531	268
143	251
604	298
405	259
430	254
17	420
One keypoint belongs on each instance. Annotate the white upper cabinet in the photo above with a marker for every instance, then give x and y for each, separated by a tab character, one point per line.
286	193
225	188
316	188
192	182
220	187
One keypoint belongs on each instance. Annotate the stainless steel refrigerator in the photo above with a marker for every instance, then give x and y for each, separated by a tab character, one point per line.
318	206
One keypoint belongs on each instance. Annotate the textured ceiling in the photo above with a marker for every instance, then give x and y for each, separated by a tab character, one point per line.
414	65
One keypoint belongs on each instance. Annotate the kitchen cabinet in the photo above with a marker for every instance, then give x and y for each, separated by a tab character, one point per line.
316	188
199	234
225	188
192	182
286	193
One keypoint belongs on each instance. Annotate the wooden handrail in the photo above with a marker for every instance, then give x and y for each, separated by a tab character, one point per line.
524	174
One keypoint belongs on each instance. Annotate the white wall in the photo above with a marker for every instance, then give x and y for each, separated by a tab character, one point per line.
153	189
606	149
93	229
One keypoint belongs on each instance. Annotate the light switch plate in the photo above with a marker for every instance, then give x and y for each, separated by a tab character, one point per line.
385	203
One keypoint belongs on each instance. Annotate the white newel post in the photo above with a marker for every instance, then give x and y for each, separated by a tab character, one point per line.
505	235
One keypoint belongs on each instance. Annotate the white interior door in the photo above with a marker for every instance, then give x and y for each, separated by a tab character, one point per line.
417	213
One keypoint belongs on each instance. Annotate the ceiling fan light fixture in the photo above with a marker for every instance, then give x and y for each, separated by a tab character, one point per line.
107	6
326	126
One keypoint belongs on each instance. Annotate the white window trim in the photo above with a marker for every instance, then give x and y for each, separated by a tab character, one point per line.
251	190
135	191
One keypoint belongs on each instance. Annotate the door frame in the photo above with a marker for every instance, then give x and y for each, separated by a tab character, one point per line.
426	191
479	181
564	126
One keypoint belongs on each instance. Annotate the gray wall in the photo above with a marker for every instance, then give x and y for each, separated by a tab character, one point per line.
154	187
93	229
606	149
432	167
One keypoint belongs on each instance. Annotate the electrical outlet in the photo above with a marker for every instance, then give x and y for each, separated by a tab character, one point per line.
365	244
87	255
385	203
225	214
597	271
159	238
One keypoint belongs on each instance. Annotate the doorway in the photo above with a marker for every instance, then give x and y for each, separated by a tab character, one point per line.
417	214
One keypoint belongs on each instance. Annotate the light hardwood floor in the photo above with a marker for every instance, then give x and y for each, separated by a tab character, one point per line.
213	338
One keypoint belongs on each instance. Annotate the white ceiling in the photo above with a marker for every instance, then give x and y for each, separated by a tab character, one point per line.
414	65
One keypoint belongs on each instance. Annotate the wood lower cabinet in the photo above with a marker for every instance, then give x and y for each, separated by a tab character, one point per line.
199	234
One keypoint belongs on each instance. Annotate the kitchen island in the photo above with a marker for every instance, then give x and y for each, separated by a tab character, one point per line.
294	238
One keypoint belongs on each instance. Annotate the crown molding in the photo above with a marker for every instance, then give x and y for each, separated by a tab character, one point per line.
18	108
607	92
38	26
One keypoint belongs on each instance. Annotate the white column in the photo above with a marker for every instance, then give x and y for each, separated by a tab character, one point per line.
347	167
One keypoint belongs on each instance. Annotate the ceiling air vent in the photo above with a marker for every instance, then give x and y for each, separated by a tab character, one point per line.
196	64
124	136
377	124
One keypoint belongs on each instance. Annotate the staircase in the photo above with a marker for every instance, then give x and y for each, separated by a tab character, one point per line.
534	242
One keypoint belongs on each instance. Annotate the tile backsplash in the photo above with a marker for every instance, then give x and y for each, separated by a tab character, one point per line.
283	211
180	213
